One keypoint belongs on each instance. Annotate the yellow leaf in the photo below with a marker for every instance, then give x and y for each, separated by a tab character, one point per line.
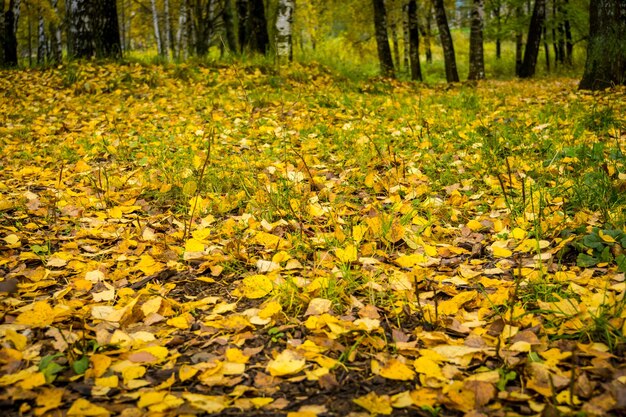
116	212
151	397
19	340
347	255
256	286
409	261
36	379
133	372
518	233
428	367
181	322
190	188
474	225
286	363
81	408
394	369
452	306
41	315
107	381
375	404
148	265
194	245
13	241
358	232
186	372
270	309
100	363
261	401
48	399
605	237
500	252
207	403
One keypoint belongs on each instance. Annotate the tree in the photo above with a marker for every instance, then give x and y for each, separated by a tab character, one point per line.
229	26
606	48
535	30
452	75
414	42
8	33
93	28
79	29
477	56
284	17
107	30
382	41
256	31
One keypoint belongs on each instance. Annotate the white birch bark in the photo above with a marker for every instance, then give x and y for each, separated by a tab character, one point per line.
284	19
181	32
168	29
155	24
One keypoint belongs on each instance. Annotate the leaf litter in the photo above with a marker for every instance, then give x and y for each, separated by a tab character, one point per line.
237	241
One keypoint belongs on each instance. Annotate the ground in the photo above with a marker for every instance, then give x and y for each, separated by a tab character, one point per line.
249	240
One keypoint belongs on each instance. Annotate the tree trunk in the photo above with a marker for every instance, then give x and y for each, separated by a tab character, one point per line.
498	18
80	29
42	42
477	56
569	44
395	44
107	29
55	51
181	33
519	42
414	42
258	38
284	18
452	74
155	26
229	26
546	48
606	48
382	42
169	39
242	16
406	63
428	34
535	30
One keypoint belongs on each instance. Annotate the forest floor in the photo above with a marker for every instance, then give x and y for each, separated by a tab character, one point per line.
242	241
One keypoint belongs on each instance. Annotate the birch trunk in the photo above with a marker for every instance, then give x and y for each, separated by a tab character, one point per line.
452	74
42	42
284	18
155	25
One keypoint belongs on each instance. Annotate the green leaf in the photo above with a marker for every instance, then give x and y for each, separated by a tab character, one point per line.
81	365
621	262
584	260
49	368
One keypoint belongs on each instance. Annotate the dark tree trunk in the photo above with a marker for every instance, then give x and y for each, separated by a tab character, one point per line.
242	17
382	41
519	42
546	48
229	26
535	30
496	14
569	44
414	42
606	47
477	56
452	74
428	34
107	29
8	26
557	34
406	64
258	38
